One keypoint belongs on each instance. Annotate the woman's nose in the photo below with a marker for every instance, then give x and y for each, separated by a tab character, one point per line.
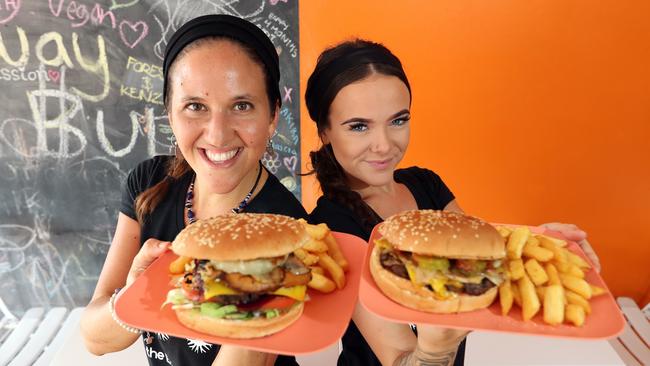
218	130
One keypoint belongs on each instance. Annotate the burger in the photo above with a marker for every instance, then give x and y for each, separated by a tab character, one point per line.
438	261
239	277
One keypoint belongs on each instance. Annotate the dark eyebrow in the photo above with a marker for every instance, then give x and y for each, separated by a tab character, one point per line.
366	120
190	99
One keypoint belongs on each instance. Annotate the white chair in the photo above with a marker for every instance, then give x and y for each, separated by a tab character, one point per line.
70	325
633	345
40	338
20	335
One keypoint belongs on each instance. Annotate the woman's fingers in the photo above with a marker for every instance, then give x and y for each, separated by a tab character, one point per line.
569	231
150	251
589	251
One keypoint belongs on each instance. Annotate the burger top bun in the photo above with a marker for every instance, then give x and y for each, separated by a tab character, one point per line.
241	236
443	234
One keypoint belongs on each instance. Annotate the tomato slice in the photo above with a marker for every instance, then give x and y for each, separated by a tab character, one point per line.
278	302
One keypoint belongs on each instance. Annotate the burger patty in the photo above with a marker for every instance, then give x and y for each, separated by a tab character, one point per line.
392	263
241	299
477	289
292	273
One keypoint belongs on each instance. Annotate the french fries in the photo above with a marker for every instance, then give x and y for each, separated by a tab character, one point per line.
537	252
574	298
324	257
335	252
529	301
595	290
315	246
333	269
575	314
505	297
543	274
536	272
554	304
178	265
516	242
516	295
577	285
516	269
551	272
321	283
317	232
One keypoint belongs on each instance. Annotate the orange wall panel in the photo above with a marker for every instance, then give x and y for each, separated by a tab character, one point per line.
531	111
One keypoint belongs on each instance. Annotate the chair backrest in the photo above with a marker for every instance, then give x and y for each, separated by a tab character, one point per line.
70	325
20	335
41	337
633	345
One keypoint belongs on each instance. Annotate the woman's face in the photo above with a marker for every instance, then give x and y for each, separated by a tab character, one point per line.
219	112
369	129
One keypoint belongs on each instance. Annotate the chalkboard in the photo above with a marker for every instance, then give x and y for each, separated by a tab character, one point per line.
81	105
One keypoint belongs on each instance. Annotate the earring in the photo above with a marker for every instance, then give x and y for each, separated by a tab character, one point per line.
269	148
174	145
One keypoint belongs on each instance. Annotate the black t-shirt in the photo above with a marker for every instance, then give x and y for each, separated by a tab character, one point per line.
429	192
165	222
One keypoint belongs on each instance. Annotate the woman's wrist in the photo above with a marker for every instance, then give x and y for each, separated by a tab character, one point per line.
420	357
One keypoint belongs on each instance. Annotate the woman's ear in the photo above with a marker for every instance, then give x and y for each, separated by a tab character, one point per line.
274	122
324	138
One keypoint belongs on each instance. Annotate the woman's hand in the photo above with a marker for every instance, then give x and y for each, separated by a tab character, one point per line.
573	233
151	249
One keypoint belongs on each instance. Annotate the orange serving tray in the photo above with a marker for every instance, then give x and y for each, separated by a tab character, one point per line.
323	322
605	320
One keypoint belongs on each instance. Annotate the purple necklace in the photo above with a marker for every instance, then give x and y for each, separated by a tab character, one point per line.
191	217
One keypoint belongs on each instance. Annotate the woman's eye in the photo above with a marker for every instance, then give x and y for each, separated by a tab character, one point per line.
358	127
243	106
195	107
401	121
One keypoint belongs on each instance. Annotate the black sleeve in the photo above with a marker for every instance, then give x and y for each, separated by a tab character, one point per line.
139	179
439	192
338	219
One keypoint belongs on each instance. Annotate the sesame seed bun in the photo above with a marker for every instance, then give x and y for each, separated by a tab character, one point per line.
443	234
242	236
404	292
233	328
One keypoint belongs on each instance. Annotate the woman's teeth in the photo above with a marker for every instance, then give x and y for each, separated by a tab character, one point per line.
221	157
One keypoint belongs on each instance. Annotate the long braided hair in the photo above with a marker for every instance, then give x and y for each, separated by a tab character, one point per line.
337	67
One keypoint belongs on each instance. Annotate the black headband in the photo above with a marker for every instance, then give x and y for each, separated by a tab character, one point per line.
322	78
231	27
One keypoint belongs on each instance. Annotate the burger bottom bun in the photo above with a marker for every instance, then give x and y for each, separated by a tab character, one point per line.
235	328
405	293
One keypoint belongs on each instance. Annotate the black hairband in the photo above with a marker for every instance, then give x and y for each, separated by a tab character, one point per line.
322	79
228	26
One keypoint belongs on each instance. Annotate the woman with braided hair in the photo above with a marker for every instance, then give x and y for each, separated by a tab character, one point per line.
360	98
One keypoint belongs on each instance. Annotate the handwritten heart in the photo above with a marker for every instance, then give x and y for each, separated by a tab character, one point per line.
118	5
273	2
54	75
133	28
15	7
290	163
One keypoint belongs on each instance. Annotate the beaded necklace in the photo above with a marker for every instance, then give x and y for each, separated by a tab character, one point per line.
191	217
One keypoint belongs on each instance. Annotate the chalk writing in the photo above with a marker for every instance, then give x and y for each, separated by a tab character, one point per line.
8	10
131	32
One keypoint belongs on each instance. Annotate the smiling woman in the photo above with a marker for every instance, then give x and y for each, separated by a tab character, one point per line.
221	92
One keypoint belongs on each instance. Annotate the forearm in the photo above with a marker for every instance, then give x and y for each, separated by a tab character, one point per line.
419	357
235	356
100	332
